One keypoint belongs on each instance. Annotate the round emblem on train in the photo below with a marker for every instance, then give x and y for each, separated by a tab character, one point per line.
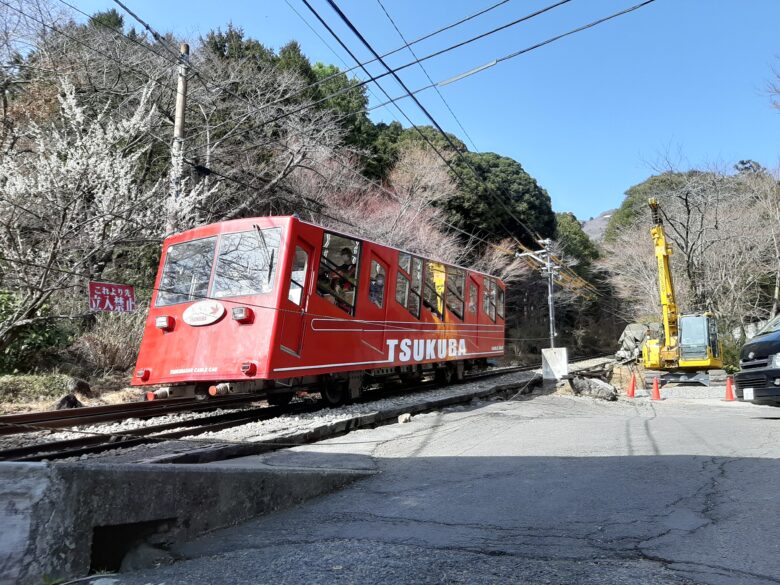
203	313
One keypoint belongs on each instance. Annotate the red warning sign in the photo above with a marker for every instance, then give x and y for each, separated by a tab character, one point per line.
106	296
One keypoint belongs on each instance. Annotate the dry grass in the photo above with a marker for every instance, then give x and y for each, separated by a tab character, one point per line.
112	343
30	393
33	387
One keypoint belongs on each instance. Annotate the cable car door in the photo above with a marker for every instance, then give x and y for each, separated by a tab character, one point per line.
374	304
294	304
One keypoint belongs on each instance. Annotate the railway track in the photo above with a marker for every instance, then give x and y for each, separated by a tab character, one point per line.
95	442
57	419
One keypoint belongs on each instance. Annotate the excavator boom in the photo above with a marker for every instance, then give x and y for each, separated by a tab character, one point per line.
665	285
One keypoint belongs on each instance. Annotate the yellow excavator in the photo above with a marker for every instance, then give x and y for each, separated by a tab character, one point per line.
688	350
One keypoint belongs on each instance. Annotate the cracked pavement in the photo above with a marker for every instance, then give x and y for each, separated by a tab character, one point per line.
547	489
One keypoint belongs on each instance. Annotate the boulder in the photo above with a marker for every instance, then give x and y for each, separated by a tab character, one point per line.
68	401
80	386
631	341
593	387
405	418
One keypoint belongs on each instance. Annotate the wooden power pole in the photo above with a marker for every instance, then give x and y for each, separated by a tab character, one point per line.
177	146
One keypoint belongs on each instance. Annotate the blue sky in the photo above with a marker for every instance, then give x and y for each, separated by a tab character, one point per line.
587	116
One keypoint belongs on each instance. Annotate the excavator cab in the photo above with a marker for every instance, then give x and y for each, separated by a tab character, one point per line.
698	341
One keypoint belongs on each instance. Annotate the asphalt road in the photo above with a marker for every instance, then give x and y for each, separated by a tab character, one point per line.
549	489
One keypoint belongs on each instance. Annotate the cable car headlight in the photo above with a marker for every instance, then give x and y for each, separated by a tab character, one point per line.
249	368
243	314
164	322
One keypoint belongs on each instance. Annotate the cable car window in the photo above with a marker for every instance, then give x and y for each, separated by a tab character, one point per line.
337	277
246	264
298	275
376	285
473	298
455	287
500	301
407	289
401	289
433	291
416	274
489	298
187	272
405	262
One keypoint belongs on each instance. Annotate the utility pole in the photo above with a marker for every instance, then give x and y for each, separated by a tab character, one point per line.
177	147
550	272
544	257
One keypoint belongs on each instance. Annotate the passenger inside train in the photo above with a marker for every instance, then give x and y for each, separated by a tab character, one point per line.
337	277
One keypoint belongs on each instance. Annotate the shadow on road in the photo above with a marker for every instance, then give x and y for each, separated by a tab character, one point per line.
584	520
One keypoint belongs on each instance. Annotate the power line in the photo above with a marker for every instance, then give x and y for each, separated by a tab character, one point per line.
423	109
451	79
378	57
417	40
432	146
107	26
85	45
155	35
357	33
331	49
431	34
442	83
219	174
441	96
420	132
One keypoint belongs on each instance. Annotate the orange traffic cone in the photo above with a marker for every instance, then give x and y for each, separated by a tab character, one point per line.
656	389
631	386
729	390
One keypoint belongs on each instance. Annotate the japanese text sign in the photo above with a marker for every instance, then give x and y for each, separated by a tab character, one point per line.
105	296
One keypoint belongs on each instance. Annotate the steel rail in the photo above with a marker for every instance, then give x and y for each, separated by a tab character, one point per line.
157	433
100	442
56	419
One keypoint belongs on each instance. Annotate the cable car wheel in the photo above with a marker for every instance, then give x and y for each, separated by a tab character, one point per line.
334	393
450	373
280	398
444	375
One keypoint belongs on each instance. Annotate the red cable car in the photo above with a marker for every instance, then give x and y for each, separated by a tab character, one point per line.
278	305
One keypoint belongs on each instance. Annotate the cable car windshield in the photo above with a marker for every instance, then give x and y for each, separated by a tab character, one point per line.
245	265
187	272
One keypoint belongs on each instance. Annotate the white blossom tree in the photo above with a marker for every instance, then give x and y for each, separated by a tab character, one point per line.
68	198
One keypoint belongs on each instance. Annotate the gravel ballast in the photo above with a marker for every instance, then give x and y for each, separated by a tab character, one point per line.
263	430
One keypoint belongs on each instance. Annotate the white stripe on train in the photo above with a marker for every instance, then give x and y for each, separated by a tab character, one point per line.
416	350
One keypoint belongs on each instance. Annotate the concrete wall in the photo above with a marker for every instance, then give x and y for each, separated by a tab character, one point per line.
48	512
